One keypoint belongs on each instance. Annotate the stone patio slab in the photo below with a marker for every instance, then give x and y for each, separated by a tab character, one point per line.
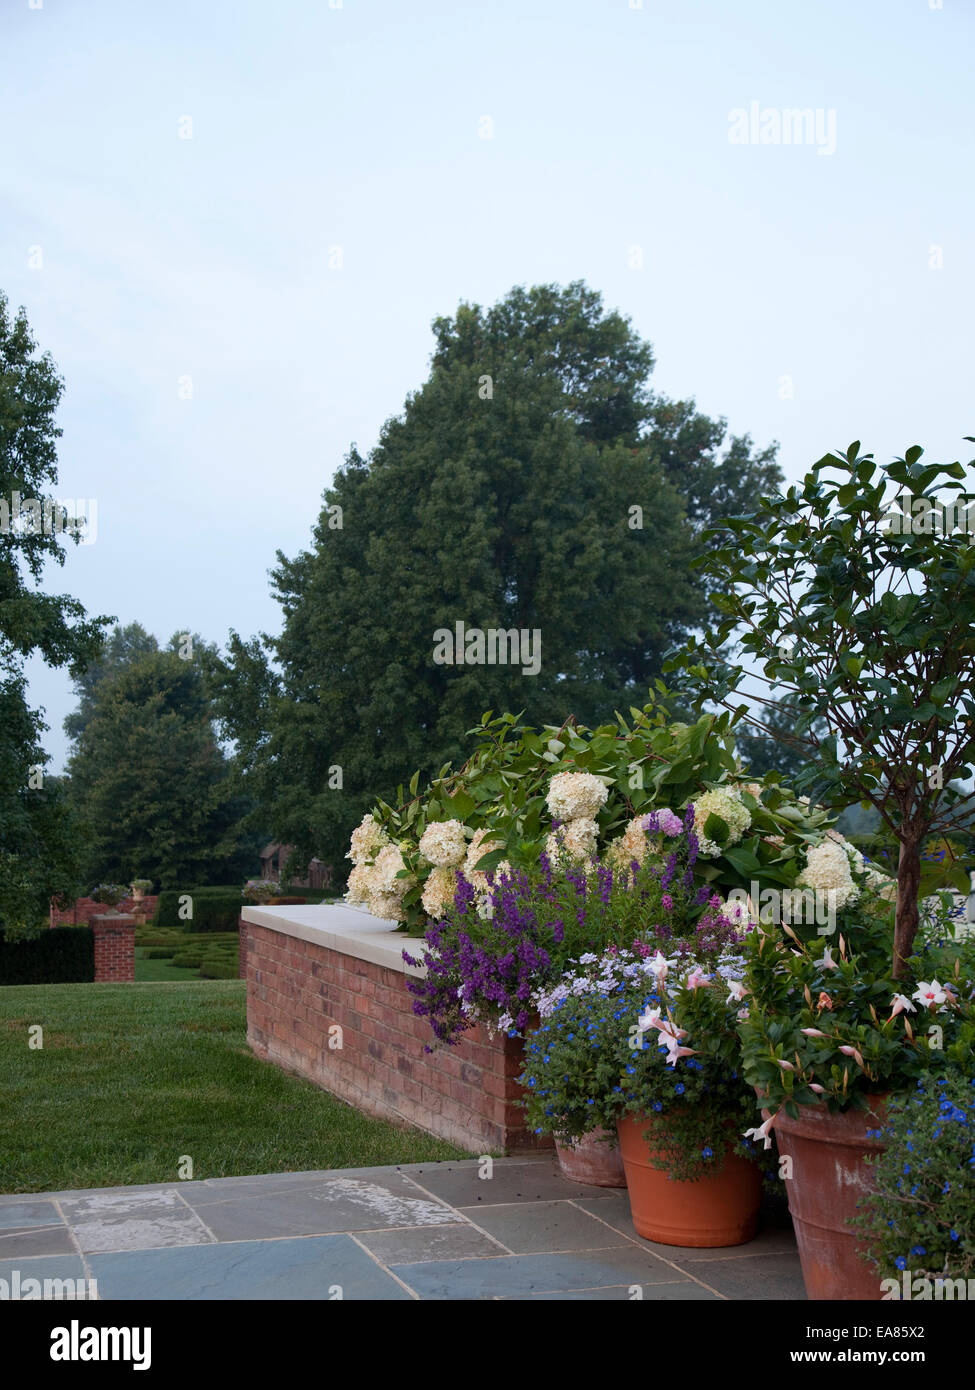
45	1267
763	1277
535	1180
37	1240
526	1274
431	1243
339	1204
17	1215
539	1227
318	1268
135	1221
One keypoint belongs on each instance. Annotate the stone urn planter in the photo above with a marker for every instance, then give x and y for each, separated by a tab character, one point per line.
592	1159
720	1209
829	1178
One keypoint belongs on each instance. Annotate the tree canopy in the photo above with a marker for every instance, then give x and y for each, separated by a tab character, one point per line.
38	848
148	778
533	484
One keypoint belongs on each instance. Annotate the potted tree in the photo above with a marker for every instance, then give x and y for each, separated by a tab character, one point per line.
853	595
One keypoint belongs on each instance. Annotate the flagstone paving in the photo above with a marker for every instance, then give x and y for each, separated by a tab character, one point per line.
422	1231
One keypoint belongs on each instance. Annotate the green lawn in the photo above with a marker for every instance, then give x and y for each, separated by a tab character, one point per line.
132	1077
152	970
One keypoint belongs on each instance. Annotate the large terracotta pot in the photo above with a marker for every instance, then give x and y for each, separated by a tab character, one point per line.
828	1179
591	1159
720	1209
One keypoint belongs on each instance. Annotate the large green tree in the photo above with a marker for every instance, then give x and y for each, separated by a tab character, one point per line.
157	795
121	648
38	845
532	483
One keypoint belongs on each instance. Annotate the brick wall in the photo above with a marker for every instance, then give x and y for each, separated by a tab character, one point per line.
82	910
114	948
297	990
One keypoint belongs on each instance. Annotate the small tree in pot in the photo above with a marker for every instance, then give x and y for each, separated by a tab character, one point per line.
856	597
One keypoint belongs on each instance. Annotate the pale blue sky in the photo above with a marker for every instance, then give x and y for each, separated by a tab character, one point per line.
361	127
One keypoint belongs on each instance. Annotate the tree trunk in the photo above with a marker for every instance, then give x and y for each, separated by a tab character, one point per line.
906	912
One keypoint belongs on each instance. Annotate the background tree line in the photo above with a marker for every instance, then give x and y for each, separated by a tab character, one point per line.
532	481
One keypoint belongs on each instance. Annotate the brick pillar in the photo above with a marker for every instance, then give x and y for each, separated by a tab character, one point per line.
242	947
114	948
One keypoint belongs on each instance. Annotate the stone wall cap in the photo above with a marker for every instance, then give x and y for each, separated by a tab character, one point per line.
342	927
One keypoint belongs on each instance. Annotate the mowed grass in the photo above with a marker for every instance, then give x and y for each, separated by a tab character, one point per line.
154	970
133	1077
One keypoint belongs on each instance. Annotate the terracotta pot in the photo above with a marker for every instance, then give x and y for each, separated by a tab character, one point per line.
592	1160
829	1177
720	1209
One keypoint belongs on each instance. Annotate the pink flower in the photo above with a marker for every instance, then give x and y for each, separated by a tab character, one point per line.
696	978
820	1090
812	1032
852	1052
786	1066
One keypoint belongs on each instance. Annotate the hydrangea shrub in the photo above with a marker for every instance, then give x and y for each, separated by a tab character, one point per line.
579	795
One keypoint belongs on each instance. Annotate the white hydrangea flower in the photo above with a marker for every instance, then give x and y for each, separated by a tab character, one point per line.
387	906
727	805
444	843
360	881
367	840
574	841
483	842
438	891
576	796
632	844
377	886
388	863
828	870
852	853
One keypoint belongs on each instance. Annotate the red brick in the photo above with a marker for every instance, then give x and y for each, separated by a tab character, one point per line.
298	989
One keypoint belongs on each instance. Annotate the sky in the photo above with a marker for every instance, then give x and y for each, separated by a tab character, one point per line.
232	223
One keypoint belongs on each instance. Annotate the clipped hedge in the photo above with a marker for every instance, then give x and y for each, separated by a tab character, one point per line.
218	970
60	955
214	909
